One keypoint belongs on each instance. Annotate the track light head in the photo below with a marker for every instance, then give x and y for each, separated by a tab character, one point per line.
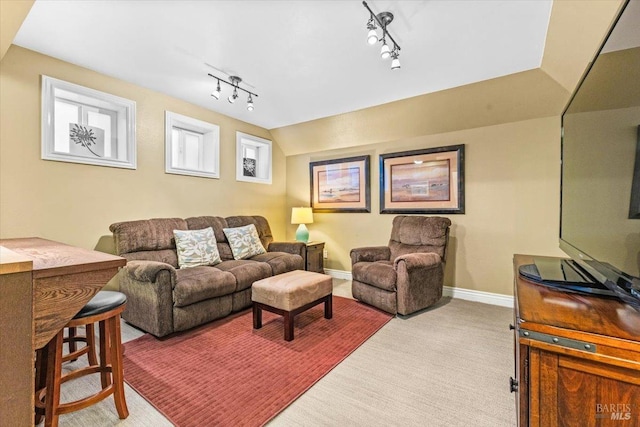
385	52
395	63
250	103
216	93
372	37
233	96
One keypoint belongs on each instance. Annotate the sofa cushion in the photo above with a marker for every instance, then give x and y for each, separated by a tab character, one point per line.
280	262
200	283
246	272
261	223
244	241
146	235
379	274
218	224
196	247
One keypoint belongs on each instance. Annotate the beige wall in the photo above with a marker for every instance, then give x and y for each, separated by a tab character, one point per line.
75	203
512	175
12	13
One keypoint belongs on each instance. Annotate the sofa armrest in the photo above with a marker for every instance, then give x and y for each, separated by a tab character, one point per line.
147	271
419	282
295	248
148	286
370	254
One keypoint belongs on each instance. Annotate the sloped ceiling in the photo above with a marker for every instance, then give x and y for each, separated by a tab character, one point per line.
465	64
305	59
540	92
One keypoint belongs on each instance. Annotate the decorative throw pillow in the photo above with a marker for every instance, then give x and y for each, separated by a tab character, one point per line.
196	247
244	241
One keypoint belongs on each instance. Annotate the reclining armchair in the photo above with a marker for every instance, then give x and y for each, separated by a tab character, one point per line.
408	274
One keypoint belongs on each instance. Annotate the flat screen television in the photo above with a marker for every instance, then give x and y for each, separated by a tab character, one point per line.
600	187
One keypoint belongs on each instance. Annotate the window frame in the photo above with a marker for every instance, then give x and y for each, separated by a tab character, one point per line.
211	136
124	140
263	148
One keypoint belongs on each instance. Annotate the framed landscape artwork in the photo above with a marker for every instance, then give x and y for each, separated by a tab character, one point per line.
423	181
340	185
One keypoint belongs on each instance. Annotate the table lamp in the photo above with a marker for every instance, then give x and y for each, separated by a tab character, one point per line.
302	216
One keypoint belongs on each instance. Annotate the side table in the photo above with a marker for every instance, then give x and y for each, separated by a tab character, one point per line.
314	257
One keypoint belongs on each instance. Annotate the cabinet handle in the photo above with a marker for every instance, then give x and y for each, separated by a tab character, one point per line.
511	327
513	384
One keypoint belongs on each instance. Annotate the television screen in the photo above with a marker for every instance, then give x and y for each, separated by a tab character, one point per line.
600	203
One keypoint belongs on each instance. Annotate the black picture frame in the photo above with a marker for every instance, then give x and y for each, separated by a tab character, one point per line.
634	204
340	185
426	181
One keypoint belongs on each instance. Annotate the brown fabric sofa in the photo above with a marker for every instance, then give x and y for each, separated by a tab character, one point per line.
162	298
408	274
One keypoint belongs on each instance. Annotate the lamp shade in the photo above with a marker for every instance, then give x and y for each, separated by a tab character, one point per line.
301	216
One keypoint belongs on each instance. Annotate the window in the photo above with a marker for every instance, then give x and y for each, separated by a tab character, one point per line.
83	125
253	159
192	147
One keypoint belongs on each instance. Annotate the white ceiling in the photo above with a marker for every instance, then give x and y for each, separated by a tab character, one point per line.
305	59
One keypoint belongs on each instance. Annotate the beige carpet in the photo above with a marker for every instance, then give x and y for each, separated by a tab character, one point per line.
445	366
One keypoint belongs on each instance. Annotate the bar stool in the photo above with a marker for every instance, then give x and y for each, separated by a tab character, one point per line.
104	308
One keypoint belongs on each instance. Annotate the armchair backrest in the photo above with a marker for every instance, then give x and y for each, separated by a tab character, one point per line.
411	234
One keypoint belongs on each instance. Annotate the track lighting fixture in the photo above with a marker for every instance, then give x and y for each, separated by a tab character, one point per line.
383	19
235	84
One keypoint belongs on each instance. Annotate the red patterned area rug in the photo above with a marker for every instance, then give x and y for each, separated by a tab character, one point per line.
226	373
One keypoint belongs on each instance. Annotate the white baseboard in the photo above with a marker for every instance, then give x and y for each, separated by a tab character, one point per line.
479	296
338	274
466	294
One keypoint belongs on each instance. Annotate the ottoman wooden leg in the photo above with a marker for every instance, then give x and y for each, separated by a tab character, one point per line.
257	316
288	325
328	307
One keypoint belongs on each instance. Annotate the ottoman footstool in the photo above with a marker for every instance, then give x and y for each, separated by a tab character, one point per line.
290	294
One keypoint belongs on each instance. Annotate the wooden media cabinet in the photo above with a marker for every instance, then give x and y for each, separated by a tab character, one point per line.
577	358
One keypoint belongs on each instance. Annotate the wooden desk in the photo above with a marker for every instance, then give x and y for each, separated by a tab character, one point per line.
37	302
577	357
65	278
